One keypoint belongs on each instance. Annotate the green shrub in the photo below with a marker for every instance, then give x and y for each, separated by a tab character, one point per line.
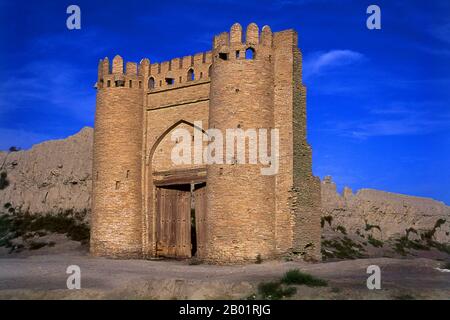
274	290
35	245
61	223
27	226
375	242
341	229
297	277
404	243
342	249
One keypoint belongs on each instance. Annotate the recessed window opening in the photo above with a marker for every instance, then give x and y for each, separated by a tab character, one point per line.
108	83
140	84
151	83
117	185
223	55
250	54
120	83
170	81
191	75
238	53
131	83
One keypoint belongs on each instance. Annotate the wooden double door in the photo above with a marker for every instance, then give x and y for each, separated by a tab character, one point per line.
180	220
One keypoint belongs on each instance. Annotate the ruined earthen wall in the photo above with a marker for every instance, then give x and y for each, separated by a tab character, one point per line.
386	214
51	177
306	189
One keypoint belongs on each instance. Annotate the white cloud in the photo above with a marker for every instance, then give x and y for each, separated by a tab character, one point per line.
397	123
319	62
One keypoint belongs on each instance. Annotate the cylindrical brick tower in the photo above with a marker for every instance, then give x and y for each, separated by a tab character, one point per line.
240	200
116	202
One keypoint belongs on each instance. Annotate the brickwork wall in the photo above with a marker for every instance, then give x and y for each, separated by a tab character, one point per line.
283	43
248	214
305	195
116	203
240	207
178	70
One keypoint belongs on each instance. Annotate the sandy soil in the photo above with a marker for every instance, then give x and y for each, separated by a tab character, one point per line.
44	277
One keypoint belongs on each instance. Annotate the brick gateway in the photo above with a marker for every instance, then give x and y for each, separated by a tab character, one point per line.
144	206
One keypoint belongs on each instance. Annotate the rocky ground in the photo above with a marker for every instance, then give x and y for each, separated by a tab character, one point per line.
44	227
44	277
30	271
35	251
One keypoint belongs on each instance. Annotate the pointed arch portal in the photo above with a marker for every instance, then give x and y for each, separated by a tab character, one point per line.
179	200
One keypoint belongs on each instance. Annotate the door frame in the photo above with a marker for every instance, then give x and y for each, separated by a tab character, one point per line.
169	178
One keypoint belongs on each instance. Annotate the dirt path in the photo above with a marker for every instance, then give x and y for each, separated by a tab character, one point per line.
44	277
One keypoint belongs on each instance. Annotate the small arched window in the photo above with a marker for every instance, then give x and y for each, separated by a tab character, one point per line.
191	75
250	54
209	71
151	83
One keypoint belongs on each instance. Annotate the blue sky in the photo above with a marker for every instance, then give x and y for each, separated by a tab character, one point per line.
378	100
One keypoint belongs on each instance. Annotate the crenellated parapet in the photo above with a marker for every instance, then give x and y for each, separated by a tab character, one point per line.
256	45
114	75
179	71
